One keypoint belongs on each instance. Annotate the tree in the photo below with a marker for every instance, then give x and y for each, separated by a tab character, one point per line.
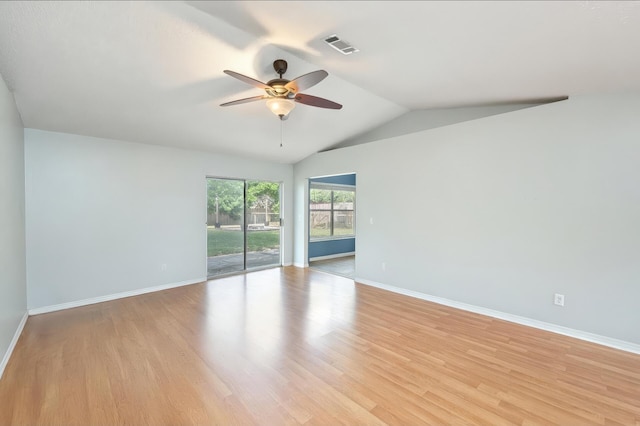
258	192
320	196
264	196
229	194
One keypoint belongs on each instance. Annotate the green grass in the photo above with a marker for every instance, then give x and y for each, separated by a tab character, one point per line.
337	232
320	233
343	231
221	241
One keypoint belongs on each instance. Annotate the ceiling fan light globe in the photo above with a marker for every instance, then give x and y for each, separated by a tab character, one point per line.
280	106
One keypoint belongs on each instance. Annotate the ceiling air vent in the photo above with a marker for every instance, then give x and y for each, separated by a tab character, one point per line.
340	45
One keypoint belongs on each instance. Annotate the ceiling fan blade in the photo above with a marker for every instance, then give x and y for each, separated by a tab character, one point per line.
316	101
245	100
248	80
305	81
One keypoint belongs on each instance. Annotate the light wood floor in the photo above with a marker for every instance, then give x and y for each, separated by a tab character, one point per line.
290	346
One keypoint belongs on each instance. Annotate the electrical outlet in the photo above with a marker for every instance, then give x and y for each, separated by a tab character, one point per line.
384	266
163	267
558	299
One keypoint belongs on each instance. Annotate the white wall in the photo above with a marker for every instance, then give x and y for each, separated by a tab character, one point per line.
426	119
104	215
503	212
13	292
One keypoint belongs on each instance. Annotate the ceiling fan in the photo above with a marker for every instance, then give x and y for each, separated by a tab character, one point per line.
282	94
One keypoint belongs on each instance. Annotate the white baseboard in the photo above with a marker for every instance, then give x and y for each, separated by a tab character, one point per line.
332	256
287	264
12	344
566	331
106	298
300	265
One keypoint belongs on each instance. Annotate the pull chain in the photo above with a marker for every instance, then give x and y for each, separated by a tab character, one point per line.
281	124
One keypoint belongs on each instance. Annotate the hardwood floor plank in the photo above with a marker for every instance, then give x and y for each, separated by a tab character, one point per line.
292	346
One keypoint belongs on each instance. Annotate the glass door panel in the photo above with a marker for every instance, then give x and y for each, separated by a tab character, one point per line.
263	224
225	226
243	225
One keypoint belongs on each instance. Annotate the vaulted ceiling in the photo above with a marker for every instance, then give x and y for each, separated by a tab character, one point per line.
151	72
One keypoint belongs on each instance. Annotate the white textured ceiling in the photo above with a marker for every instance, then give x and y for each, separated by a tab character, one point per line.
151	72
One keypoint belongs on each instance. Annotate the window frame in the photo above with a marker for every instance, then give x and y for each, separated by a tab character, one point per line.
331	211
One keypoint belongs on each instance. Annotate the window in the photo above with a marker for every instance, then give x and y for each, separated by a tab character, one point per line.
331	211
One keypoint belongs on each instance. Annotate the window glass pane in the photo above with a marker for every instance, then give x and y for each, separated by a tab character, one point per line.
320	225
342	223
225	235
331	211
320	199
263	224
343	200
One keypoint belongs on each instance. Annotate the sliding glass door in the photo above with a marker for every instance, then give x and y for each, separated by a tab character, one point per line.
243	225
263	224
225	226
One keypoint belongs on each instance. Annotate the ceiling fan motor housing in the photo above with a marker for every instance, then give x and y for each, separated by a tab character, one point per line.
280	65
276	87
